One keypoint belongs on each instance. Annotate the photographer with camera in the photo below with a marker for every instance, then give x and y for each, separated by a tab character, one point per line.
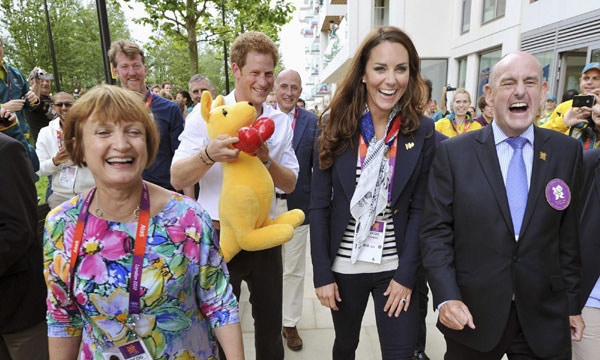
14	96
460	120
40	116
443	111
584	121
589	83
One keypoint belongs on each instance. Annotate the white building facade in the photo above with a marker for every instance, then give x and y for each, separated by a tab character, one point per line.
458	41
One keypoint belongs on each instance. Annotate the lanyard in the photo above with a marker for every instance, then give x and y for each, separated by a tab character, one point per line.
8	82
138	251
149	99
466	125
393	149
296	112
59	136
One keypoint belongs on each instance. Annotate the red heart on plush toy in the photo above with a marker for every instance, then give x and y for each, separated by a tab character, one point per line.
250	140
265	127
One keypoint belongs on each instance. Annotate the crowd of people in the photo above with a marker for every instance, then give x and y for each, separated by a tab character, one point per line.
496	212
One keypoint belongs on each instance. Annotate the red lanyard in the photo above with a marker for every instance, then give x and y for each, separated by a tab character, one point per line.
296	112
59	138
149	99
393	133
138	250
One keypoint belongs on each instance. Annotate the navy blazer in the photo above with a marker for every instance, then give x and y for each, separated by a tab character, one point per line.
21	263
469	248
332	190
305	134
589	224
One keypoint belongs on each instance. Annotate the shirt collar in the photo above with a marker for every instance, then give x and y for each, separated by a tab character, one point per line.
500	136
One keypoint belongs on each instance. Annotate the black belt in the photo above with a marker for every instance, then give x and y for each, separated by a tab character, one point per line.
281	196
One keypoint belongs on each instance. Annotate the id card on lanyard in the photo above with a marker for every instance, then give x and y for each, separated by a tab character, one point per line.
372	249
136	266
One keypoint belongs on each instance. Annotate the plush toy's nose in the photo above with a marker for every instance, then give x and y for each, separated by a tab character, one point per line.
249	103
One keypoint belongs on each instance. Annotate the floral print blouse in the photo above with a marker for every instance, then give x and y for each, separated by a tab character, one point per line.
185	283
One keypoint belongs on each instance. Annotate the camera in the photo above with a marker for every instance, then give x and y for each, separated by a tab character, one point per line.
450	88
40	75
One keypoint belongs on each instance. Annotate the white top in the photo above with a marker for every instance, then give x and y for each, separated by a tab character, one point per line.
46	148
194	137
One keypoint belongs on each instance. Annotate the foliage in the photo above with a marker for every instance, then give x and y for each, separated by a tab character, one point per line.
194	21
75	33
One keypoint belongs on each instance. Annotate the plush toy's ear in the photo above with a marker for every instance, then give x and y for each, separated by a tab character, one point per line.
219	101
205	104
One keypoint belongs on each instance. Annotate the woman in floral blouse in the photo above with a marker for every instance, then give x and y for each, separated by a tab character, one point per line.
177	299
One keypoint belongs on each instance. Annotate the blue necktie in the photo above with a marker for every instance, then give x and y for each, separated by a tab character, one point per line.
516	183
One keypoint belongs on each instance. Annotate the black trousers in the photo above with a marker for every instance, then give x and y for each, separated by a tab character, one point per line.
512	343
263	272
397	335
422	290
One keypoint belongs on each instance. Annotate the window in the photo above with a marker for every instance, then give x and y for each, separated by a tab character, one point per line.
435	70
380	13
493	9
595	56
466	16
487	60
462	73
545	58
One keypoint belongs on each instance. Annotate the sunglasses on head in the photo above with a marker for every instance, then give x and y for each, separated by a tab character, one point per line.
61	104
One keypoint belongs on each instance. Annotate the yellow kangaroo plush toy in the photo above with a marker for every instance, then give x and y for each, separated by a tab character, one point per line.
247	191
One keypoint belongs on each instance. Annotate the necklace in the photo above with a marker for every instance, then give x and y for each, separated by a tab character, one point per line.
100	213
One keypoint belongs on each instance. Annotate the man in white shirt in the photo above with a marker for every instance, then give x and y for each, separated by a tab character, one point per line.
253	58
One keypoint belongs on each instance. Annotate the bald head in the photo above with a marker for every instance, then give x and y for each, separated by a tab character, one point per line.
516	91
288	87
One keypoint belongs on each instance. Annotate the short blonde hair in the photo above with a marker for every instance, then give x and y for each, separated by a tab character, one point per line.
113	103
126	47
252	41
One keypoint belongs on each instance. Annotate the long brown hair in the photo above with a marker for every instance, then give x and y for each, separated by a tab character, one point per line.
340	121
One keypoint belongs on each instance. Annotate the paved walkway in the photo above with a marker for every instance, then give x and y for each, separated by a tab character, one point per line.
316	329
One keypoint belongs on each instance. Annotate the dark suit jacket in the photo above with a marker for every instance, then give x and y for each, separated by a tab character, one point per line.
332	190
305	134
469	248
21	272
590	223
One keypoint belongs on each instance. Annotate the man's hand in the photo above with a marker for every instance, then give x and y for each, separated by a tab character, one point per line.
576	116
577	326
398	298
455	315
61	157
219	149
14	105
328	295
32	97
263	152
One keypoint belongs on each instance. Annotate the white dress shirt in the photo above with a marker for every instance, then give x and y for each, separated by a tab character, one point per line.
194	138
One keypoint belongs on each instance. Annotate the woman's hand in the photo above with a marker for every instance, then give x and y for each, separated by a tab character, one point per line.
328	295
576	116
398	298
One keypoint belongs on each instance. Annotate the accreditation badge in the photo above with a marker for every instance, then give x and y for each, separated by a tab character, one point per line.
133	350
372	247
67	177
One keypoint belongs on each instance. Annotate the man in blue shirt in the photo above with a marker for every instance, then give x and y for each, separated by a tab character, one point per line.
128	62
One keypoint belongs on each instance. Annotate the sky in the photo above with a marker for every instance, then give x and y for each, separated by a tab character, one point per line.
291	42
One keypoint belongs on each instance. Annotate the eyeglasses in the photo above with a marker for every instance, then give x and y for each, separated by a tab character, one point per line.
61	104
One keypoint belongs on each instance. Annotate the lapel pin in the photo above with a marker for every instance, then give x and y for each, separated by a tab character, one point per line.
542	155
409	145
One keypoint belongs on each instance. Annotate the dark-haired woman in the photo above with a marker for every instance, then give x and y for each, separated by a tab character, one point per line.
368	191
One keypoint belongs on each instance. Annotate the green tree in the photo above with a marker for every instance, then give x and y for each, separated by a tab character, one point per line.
181	20
75	33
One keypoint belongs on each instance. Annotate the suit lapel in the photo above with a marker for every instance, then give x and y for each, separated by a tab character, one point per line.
407	155
346	167
298	130
538	174
488	160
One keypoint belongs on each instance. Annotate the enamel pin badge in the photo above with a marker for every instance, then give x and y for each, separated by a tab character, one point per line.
543	156
409	145
558	194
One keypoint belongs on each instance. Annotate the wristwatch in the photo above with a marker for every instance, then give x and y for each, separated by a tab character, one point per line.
268	163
